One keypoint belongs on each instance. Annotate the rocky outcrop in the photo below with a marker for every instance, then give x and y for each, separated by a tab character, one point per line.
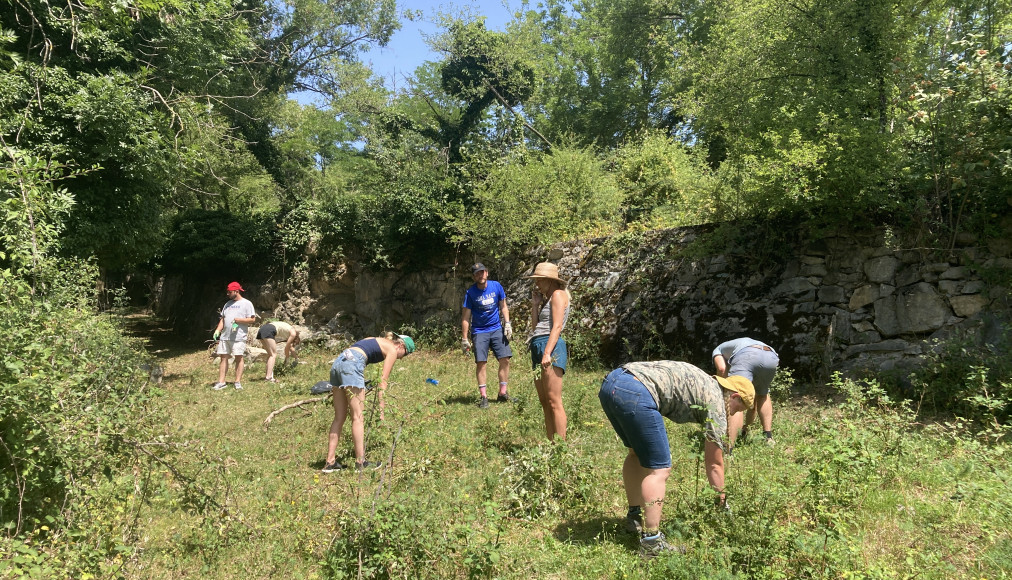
844	302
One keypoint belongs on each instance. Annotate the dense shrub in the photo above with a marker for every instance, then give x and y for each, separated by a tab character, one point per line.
972	381
74	398
202	242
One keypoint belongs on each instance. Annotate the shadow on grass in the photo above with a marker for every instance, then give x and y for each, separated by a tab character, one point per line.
596	530
461	400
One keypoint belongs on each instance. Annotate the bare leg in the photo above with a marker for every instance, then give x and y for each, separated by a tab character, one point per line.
555	414
356	402
272	354
645	487
765	405
222	368
734	424
340	413
480	372
504	371
542	390
239	365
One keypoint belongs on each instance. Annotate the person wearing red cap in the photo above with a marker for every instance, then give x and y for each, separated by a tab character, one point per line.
231	333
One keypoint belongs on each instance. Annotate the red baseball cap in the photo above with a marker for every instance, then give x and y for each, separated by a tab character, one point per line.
235	286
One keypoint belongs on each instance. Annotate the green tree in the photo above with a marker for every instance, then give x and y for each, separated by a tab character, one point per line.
611	68
539	200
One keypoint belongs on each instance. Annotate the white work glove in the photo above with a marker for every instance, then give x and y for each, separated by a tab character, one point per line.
508	331
465	345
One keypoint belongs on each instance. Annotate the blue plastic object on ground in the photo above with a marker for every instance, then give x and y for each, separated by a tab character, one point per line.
432	381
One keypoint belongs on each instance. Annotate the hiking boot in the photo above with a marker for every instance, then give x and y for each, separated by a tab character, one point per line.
503	398
332	467
483	403
368	465
656	545
238	386
219	386
634	524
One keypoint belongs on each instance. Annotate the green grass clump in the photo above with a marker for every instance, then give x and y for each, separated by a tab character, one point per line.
854	488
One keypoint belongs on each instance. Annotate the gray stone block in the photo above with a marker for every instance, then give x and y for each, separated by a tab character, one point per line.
881	269
862	297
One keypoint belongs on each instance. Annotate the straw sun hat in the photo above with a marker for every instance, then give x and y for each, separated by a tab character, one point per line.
548	271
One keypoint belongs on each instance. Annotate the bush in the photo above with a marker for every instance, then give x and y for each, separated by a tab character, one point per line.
545	479
565	194
969	380
74	399
402	537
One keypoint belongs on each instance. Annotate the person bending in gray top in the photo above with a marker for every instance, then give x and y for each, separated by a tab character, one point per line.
757	362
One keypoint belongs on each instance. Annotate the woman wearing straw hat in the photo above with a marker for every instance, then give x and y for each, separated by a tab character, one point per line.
348	377
549	312
636	397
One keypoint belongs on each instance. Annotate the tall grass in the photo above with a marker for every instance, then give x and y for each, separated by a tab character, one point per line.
854	488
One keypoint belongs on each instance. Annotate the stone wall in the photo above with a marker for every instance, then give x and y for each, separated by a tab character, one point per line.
844	302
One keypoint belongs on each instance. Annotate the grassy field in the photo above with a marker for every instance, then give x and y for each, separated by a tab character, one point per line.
854	488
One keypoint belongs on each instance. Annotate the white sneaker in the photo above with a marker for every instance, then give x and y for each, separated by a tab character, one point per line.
219	386
238	386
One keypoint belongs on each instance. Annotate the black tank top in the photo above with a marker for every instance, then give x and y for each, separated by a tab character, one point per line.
372	350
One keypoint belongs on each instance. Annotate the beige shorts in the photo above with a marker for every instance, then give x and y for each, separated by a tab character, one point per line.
231	347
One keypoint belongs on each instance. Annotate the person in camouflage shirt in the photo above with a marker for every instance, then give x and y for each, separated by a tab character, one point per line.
636	397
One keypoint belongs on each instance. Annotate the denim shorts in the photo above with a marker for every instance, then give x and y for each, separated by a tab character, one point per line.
560	354
756	365
483	341
633	414
348	369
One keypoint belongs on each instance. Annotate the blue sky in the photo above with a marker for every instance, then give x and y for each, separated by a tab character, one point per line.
407	49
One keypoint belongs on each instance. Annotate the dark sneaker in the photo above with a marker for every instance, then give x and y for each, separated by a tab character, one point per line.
368	465
483	403
332	467
657	545
634	524
503	398
219	386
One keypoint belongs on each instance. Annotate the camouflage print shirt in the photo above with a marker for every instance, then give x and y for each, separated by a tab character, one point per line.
678	387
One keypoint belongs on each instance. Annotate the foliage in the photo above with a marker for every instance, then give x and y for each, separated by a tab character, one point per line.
564	194
610	69
32	210
660	175
961	148
75	400
203	243
394	539
971	380
543	480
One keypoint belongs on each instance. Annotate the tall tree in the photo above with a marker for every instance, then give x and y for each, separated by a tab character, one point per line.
611	68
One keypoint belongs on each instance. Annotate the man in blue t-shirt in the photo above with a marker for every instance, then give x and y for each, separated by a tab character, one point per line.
484	301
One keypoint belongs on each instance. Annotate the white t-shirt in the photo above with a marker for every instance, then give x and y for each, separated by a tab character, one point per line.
233	309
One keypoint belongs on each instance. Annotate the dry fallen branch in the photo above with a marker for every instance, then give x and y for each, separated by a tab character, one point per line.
299	404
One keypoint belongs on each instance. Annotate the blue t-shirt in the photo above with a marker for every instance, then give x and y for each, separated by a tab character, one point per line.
484	305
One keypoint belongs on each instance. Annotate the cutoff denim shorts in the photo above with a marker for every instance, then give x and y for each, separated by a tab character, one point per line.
348	370
633	414
560	354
